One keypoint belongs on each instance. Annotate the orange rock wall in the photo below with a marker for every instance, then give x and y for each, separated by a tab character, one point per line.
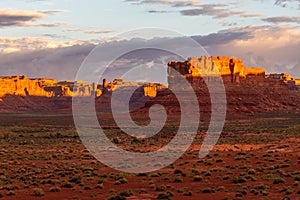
213	66
150	90
22	86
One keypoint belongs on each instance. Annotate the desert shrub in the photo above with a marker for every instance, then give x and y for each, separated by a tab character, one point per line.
254	191
116	140
166	195
242	191
238	179
188	193
102	176
155	175
67	185
126	193
221	189
238	195
178	180
6	136
11	187
197	178
117	197
180	190
87	187
295	172
75	179
207	173
10	193
135	141
241	153
289	191
161	188
100	181
38	192
278	181
207	190
261	187
121	181
55	189
251	171
285	189
265	193
195	172
99	186
93	195
251	177
178	171
141	174
297	178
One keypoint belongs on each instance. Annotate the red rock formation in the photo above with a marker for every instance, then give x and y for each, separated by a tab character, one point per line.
213	66
150	90
23	86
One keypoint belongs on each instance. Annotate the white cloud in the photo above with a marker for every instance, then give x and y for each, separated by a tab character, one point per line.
8	45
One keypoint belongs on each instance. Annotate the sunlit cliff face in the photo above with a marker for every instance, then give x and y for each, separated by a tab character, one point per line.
208	66
213	66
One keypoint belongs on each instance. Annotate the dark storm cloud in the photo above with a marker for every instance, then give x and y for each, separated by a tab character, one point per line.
210	11
222	37
18	18
282	19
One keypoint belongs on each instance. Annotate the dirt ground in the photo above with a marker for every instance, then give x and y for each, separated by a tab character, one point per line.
42	157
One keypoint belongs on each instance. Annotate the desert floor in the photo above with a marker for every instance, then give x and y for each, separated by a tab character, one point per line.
257	157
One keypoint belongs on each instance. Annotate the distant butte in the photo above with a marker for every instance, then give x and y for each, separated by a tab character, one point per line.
253	90
193	67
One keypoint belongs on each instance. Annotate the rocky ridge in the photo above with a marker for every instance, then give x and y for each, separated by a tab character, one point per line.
253	92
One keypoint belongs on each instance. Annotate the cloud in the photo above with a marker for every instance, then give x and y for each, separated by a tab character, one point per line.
50	12
210	10
196	8
55	36
27	18
8	45
97	31
222	37
246	15
272	47
285	3
220	10
18	18
178	3
61	63
56	24
282	19
158	11
91	32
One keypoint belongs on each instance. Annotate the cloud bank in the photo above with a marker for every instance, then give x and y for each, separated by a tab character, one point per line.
275	48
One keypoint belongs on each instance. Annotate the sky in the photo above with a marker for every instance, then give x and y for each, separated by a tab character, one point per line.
51	38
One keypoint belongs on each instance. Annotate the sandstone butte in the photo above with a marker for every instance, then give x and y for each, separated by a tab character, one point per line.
214	66
24	86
